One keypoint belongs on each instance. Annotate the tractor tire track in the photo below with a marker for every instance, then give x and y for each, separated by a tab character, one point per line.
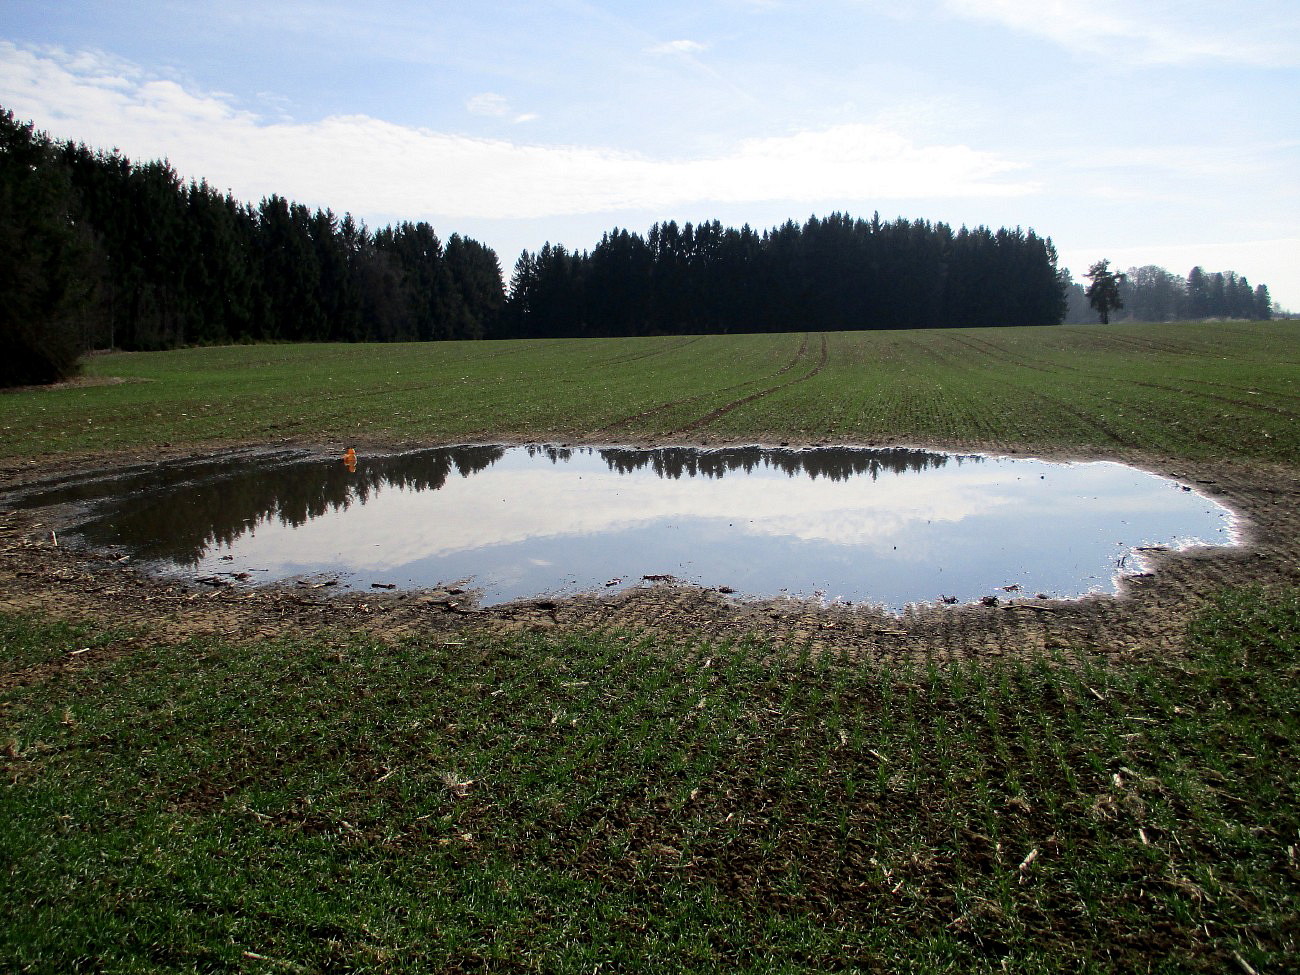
1132	343
1216	398
1274	393
619	360
1008	355
672	404
1192	347
726	408
1001	353
1085	420
802	351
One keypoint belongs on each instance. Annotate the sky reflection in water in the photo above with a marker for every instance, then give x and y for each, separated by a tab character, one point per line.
881	526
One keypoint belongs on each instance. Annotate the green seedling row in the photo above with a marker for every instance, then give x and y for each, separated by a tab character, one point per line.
612	802
1201	391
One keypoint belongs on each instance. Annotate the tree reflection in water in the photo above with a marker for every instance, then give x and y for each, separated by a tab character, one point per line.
179	511
890	525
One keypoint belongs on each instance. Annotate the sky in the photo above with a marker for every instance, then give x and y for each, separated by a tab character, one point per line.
1163	132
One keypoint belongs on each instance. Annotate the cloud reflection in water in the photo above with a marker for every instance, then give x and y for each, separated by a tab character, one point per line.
888	526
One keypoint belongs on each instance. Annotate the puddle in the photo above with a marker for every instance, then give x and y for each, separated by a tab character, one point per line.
886	527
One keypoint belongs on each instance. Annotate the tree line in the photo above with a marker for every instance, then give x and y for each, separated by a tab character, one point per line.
98	252
247	497
830	273
1152	294
103	252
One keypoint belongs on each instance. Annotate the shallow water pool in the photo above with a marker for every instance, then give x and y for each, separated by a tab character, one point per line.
886	527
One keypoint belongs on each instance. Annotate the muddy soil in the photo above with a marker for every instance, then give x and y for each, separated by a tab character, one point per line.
42	574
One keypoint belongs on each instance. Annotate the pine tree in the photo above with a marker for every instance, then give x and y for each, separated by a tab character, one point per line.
1103	292
1263	304
49	264
1198	294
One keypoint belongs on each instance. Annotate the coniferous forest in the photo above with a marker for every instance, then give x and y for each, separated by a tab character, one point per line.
832	273
97	251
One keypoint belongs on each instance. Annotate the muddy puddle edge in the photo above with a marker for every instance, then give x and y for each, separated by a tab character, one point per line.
1147	619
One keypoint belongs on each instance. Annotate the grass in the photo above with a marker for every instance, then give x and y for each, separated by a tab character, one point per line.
598	801
607	803
1201	391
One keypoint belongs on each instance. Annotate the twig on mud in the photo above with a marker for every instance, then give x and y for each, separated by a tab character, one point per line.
1245	965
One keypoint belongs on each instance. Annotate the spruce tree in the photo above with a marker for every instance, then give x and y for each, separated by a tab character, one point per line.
48	262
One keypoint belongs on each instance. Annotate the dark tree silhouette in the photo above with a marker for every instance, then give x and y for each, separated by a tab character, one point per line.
830	273
49	264
173	264
1103	292
96	251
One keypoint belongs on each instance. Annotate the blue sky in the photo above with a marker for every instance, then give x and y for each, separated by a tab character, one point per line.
1154	132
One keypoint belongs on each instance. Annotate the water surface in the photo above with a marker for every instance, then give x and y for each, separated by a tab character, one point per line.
887	527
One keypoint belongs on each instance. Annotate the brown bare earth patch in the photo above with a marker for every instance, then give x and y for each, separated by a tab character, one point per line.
41	573
76	382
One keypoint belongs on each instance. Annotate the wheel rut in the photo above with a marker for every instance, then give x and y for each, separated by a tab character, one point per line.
1245	391
721	411
1007	354
626	421
675	347
1004	354
1217	398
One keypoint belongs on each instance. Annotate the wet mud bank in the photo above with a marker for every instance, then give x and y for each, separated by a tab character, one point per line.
41	573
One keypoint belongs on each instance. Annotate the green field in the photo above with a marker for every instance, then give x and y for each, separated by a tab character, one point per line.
1196	391
602	800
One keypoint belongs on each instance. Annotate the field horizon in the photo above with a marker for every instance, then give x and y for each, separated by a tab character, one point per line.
1114	390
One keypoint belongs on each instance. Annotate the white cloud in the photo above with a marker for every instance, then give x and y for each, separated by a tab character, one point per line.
497	106
488	103
678	47
369	166
1155	31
